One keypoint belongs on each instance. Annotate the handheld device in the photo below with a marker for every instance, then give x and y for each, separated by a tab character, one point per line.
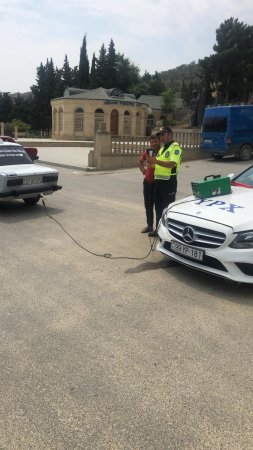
150	151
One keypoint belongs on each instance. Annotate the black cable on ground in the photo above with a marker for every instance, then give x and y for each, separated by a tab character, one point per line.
101	255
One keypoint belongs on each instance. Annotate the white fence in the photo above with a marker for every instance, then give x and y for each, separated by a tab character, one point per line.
118	152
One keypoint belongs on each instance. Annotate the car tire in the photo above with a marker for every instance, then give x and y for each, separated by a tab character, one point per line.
245	152
31	200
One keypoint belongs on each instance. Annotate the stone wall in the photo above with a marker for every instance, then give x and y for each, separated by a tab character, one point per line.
63	117
124	152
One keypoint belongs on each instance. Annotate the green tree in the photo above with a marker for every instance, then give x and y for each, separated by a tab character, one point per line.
127	74
66	73
111	66
22	126
69	76
84	66
93	73
156	84
229	70
149	85
48	86
40	101
101	67
175	77
187	90
112	69
21	108
5	106
168	101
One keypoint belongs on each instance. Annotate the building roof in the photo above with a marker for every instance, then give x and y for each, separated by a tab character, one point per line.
69	91
101	94
154	101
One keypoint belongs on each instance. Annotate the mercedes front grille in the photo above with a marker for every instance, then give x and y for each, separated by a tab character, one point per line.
203	237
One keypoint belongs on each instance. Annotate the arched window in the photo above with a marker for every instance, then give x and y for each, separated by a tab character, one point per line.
60	118
99	117
79	120
138	124
114	125
127	124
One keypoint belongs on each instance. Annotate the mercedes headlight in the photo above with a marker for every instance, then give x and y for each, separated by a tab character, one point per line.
243	240
164	217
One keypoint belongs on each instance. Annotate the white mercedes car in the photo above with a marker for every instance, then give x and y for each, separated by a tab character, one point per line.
20	178
214	234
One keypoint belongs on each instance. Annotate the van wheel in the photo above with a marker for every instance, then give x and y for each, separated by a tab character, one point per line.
31	200
245	152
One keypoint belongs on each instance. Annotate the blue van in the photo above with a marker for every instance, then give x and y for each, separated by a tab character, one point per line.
228	130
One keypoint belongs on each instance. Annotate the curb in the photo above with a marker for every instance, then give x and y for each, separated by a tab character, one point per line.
67	166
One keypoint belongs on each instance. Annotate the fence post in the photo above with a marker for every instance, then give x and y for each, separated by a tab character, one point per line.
2	128
102	146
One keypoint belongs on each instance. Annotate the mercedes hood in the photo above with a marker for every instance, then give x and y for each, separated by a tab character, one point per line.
234	210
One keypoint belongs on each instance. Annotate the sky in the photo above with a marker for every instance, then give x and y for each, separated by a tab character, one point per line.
156	35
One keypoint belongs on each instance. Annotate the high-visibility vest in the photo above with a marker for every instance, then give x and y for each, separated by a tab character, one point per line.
172	153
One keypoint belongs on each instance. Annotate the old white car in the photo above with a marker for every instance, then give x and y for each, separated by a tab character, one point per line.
20	178
213	234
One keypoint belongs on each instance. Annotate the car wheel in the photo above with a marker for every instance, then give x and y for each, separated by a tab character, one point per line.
245	152
216	156
31	200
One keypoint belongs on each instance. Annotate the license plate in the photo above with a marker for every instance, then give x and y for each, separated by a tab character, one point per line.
33	179
185	250
207	141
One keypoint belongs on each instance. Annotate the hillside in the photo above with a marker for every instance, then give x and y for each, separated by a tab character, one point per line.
186	73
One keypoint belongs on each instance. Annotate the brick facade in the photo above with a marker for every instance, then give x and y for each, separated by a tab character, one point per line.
76	116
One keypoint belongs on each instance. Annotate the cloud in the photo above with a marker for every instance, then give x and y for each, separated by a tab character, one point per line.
155	35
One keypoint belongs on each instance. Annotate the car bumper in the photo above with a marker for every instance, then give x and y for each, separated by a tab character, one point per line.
31	192
226	262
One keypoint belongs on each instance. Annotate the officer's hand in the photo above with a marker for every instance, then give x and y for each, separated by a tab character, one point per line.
151	160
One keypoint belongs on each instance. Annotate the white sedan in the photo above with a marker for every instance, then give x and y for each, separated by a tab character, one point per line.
214	234
20	178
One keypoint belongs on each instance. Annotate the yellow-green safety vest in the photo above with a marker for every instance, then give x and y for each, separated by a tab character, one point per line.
172	153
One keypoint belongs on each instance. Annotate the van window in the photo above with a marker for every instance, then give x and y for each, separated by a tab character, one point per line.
215	124
243	120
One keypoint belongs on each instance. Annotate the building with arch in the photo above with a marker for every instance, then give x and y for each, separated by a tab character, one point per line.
77	115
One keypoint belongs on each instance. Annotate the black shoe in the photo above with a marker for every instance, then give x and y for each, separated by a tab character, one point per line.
146	230
153	234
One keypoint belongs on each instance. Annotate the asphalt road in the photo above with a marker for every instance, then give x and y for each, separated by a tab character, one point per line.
118	354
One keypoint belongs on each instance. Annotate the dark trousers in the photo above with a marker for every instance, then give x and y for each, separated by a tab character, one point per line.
148	193
165	193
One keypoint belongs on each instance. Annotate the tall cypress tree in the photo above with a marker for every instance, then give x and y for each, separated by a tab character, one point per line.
93	73
84	66
66	73
111	63
68	76
101	67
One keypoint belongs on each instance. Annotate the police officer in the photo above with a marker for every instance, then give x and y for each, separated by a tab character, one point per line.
167	164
